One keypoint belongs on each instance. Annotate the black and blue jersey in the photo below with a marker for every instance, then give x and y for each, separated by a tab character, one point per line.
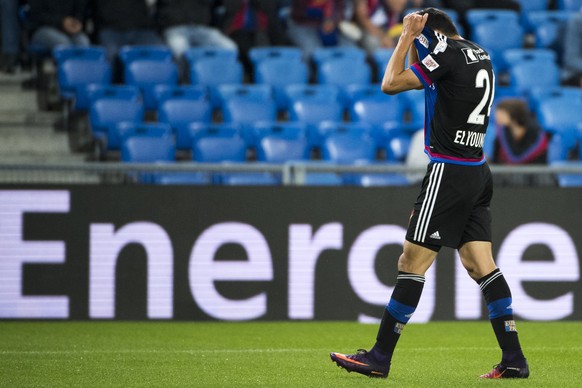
459	88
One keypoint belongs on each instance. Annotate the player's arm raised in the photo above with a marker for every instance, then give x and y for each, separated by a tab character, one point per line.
396	77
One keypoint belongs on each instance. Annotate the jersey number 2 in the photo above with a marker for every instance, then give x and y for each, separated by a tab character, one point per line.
482	81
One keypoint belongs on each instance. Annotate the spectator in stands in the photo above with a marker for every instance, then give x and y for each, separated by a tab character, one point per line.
59	22
252	23
10	35
572	42
186	23
124	22
380	22
315	23
519	140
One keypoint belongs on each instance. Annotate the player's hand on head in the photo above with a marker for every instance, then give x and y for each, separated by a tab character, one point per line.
413	24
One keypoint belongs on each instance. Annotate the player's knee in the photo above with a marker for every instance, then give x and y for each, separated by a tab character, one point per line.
406	264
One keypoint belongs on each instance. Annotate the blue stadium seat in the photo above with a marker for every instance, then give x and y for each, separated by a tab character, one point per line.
515	56
527	8
213	72
146	149
147	74
146	67
75	74
181	178
525	75
179	113
105	114
247	91
199	130
63	53
382	111
219	147
310	92
497	31
279	73
548	28
246	109
362	128
121	92
281	149
396	146
538	94
179	92
194	54
381	57
286	53
415	106
348	148
569	5
311	112
560	116
128	54
125	129
565	179
287	129
324	54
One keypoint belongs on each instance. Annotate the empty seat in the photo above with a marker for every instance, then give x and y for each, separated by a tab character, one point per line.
569	179
548	27
525	75
312	112
323	54
348	148
75	75
194	54
276	148
63	53
381	57
148	149
181	178
147	74
214	148
246	109
287	129
285	53
561	116
125	129
128	54
212	72
279	73
106	113
188	92
179	113
384	112
569	5
496	31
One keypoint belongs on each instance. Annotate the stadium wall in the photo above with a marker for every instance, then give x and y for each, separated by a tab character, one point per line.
265	253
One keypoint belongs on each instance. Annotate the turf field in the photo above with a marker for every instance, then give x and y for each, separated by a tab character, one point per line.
295	354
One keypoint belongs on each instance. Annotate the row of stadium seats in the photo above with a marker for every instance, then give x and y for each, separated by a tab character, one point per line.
246	105
275	143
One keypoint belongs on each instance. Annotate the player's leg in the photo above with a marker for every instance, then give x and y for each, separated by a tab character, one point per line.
412	265
477	259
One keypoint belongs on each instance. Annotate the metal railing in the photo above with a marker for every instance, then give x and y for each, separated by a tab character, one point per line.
292	173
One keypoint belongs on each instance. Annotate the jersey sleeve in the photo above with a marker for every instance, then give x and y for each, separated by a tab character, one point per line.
430	69
433	66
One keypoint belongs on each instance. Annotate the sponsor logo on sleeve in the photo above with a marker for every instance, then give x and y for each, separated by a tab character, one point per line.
423	40
430	63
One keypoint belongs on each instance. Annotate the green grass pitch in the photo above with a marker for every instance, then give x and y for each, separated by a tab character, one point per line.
278	354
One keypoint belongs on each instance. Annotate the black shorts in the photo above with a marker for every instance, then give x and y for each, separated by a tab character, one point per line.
453	206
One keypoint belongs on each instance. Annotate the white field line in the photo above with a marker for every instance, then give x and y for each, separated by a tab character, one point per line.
199	352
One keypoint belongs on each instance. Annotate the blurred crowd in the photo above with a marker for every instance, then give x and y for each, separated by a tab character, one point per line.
237	24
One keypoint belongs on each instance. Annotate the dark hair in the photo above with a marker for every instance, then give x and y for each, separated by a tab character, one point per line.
439	20
517	110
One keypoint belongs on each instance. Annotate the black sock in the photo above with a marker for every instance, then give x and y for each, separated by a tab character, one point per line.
498	299
402	305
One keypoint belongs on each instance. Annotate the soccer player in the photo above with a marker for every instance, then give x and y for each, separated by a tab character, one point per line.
452	208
